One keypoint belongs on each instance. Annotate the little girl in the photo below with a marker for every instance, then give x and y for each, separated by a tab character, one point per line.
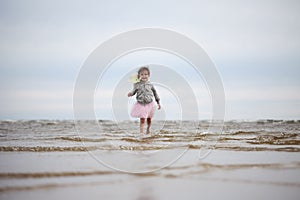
144	107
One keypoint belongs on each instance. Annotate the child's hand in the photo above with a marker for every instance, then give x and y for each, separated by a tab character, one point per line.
158	106
129	94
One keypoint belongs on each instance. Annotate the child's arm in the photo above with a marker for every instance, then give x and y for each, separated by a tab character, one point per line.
134	90
157	99
158	106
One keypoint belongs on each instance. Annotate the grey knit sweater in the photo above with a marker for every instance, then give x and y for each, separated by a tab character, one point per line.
144	92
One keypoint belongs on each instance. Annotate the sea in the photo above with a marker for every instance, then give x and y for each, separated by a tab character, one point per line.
102	159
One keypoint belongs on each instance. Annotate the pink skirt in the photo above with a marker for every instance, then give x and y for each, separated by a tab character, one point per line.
143	110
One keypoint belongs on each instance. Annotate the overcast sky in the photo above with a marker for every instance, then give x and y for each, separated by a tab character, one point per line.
255	46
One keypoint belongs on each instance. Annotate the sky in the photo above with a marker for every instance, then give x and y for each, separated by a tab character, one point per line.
255	46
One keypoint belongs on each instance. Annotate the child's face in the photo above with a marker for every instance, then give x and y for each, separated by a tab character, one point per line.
144	75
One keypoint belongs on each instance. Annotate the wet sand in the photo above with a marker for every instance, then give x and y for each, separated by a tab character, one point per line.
221	175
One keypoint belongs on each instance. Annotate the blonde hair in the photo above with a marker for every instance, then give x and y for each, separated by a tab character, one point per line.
144	68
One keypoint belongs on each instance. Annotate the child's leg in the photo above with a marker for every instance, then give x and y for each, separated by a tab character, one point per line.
148	125
142	122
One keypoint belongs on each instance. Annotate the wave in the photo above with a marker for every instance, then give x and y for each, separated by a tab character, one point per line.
207	166
238	141
243	133
276	139
80	139
52	174
43	148
85	149
256	148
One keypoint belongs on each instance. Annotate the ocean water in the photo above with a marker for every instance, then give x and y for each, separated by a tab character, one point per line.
108	160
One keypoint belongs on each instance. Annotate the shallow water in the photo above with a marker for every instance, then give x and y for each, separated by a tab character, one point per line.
41	157
45	136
